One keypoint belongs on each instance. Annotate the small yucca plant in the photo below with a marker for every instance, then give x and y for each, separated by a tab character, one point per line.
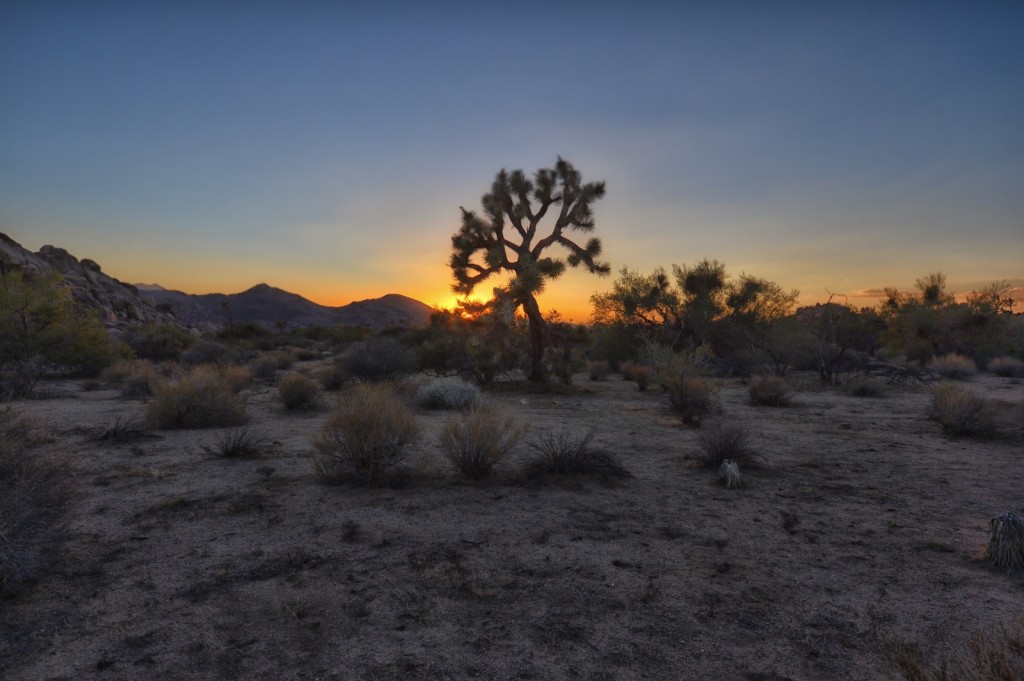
729	474
1005	550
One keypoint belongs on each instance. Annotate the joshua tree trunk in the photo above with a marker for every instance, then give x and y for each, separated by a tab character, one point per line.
539	335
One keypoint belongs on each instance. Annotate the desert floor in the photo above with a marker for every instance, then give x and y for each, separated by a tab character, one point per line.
860	526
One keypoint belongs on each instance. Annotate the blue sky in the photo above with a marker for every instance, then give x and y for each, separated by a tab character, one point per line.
326	148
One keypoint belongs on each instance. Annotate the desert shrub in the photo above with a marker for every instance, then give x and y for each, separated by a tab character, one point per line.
598	370
996	655
477	441
722	439
159	342
209	352
239	443
568	454
379	359
39	318
32	501
298	391
267	365
692	398
446	393
1009	367
954	366
133	377
769	391
18	378
333	376
202	397
636	372
961	412
365	438
864	386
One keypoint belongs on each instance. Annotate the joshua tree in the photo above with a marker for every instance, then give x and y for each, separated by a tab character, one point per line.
505	238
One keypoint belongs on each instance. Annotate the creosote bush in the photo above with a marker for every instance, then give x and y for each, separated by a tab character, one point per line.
1009	367
692	398
477	441
446	393
298	392
366	437
961	412
953	366
571	455
267	365
864	386
636	372
769	391
721	439
202	397
134	377
379	359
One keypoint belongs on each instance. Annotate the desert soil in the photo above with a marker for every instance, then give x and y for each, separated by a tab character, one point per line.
860	525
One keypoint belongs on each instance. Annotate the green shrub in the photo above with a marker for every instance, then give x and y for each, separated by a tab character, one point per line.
477	441
365	438
953	366
769	391
298	391
1010	367
567	454
446	393
961	412
200	398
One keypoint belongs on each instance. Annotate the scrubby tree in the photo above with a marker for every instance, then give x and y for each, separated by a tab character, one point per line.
506	239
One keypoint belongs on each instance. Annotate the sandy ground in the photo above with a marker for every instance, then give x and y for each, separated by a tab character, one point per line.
861	525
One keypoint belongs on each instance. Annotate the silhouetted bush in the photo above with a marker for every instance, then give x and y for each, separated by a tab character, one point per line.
200	398
477	441
299	392
365	438
769	391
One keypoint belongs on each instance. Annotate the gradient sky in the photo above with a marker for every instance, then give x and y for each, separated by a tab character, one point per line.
325	148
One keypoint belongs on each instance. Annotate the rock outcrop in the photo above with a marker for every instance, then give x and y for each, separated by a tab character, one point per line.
116	303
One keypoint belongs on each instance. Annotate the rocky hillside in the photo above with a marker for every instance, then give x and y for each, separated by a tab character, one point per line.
118	304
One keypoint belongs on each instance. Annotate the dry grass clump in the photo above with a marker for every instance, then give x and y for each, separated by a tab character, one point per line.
134	377
692	397
266	366
954	367
32	501
722	439
204	397
239	443
123	429
994	656
567	454
961	412
636	372
446	393
1009	367
18	378
365	438
770	391
299	392
477	441
1005	550
599	370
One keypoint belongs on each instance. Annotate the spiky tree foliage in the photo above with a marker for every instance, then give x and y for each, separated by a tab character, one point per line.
506	238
